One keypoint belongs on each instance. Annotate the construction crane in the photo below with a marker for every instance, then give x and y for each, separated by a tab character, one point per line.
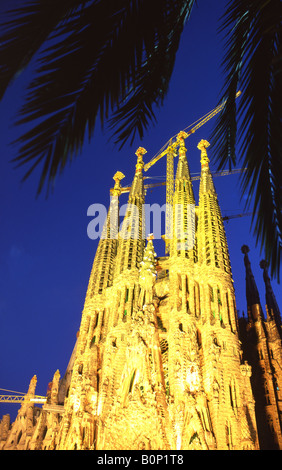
20	397
170	153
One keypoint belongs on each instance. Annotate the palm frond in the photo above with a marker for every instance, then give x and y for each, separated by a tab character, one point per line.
152	81
253	64
26	30
111	59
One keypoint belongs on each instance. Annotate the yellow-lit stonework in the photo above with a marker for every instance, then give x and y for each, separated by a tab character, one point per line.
158	363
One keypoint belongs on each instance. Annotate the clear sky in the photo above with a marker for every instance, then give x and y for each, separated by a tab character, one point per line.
45	253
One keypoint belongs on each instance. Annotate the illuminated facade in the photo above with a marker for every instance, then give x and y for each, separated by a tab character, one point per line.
158	363
262	339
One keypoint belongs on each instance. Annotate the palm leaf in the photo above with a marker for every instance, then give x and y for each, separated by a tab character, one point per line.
253	64
111	59
152	81
25	32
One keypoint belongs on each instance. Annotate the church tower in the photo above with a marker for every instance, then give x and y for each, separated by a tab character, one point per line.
158	363
158	360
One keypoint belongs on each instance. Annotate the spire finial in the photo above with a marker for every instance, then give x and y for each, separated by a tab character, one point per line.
245	249
180	139
181	136
203	145
32	385
140	164
263	265
118	176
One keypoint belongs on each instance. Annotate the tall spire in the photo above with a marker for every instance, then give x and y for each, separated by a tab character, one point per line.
137	187
206	182
213	248
131	239
253	300
182	167
102	270
183	206
271	303
118	176
203	145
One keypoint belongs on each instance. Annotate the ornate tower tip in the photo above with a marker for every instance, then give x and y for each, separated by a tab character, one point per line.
245	249
140	152
118	176
203	145
150	237
140	164
182	135
263	264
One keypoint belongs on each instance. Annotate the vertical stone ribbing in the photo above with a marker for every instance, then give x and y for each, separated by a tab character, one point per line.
213	248
101	275
183	242
132	235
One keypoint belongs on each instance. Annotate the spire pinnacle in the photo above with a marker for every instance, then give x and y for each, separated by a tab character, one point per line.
182	167
32	385
253	300
206	184
180	139
245	249
102	268
131	240
203	145
183	206
140	164
118	176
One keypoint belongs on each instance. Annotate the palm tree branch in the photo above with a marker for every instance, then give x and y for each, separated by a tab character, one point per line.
252	64
236	24
136	112
26	30
67	108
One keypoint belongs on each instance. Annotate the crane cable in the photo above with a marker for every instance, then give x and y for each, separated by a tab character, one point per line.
12	391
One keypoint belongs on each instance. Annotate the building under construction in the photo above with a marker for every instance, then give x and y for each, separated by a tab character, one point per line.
161	360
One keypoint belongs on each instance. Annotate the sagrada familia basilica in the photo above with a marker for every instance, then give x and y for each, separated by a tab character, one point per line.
161	359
